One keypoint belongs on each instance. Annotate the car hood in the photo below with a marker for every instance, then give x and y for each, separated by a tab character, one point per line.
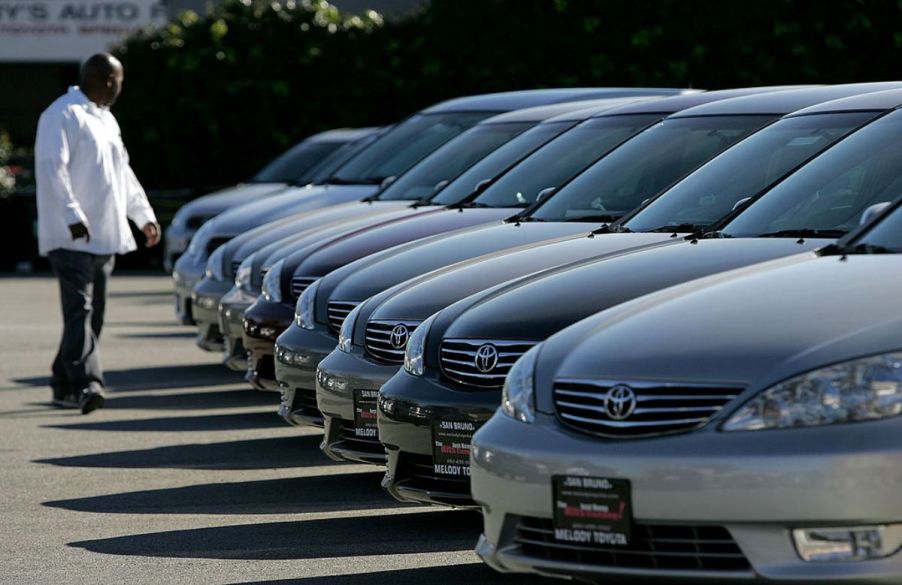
375	273
416	299
215	203
294	200
434	220
557	298
751	328
300	224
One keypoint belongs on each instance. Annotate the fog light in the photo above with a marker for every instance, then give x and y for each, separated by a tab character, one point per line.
853	543
206	302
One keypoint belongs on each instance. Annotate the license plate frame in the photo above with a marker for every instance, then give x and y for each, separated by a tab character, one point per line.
450	458
592	511
365	405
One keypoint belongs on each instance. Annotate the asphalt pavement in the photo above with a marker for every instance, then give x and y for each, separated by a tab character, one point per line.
187	475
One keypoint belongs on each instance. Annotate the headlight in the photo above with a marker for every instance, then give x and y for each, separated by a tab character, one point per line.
416	348
346	334
304	311
858	390
518	394
215	264
243	275
272	283
201	238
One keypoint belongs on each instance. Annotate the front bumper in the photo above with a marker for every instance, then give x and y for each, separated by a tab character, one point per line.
231	323
410	407
263	323
205	300
340	375
187	273
753	487
308	349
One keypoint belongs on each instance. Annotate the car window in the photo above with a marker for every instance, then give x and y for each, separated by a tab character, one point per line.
746	169
562	158
291	165
886	235
406	144
832	191
498	162
645	165
450	160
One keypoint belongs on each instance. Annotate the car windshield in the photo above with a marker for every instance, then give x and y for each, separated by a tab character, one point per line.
324	169
828	196
293	163
406	144
645	165
884	237
450	160
562	158
744	170
498	162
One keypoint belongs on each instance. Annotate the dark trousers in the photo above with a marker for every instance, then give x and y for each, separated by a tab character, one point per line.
83	289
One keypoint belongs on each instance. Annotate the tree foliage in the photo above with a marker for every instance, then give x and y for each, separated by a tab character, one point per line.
209	99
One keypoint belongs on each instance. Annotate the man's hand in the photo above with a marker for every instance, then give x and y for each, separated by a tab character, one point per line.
152	233
80	230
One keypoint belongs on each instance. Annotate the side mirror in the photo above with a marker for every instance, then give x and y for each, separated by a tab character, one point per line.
873	211
545	194
741	203
387	181
440	185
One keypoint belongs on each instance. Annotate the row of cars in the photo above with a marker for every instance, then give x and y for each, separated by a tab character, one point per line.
646	332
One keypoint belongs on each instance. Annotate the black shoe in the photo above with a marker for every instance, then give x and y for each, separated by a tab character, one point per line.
67	401
90	401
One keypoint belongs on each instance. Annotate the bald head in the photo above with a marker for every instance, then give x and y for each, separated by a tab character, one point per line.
101	78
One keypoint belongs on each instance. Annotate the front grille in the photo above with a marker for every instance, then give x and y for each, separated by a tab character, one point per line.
648	409
653	546
215	243
196	221
337	311
417	472
352	442
459	361
386	340
299	284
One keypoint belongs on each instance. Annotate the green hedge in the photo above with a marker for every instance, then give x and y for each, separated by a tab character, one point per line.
208	100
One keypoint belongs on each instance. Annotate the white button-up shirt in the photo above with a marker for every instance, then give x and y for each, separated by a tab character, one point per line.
83	176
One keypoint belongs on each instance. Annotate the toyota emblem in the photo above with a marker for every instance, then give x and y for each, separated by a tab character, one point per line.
486	358
620	402
399	335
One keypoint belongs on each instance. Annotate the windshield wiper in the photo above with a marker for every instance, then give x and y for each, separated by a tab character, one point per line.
804	233
677	227
594	217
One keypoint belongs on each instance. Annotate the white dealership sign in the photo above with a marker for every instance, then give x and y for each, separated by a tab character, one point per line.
71	30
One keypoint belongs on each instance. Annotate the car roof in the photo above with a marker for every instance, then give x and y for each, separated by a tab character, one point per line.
343	134
541	113
783	102
669	105
515	100
878	100
597	107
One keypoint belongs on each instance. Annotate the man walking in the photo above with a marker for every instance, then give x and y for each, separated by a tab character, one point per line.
86	192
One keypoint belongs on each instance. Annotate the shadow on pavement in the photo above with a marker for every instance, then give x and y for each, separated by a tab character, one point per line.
416	532
276	453
211	422
319	493
475	574
158	335
230	398
140	293
157	378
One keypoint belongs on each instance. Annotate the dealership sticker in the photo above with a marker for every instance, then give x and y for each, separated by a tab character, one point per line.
592	511
451	447
365	414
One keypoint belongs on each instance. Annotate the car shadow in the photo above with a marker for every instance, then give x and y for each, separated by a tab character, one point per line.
157	378
271	453
158	335
475	573
231	398
211	422
294	495
390	534
140	293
